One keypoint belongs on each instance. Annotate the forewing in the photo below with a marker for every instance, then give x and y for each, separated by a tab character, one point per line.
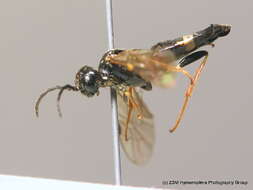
141	135
153	66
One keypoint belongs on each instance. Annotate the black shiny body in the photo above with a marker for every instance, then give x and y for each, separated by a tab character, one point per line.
88	80
125	69
114	75
187	44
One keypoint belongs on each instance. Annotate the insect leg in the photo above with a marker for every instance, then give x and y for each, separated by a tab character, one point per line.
129	94
189	59
198	71
131	105
130	109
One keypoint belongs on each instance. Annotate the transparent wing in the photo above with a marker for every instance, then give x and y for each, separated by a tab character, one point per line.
141	135
158	67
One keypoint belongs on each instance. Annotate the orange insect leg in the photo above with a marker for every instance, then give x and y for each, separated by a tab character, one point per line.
189	93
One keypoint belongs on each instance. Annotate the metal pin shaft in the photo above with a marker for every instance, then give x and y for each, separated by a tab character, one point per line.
115	125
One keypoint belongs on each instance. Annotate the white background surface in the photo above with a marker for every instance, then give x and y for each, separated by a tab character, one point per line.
28	183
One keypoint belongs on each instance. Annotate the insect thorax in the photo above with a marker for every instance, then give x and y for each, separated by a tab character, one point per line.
116	75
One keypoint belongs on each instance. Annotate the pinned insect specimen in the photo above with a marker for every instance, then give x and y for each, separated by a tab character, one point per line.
130	70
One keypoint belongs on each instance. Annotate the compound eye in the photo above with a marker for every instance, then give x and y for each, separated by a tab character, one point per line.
89	84
87	81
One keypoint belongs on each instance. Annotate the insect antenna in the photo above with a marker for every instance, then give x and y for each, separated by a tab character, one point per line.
66	87
42	96
61	88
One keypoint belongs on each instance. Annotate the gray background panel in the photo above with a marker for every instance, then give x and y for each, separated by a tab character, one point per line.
43	43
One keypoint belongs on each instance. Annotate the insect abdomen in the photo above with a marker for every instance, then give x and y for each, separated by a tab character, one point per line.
179	46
